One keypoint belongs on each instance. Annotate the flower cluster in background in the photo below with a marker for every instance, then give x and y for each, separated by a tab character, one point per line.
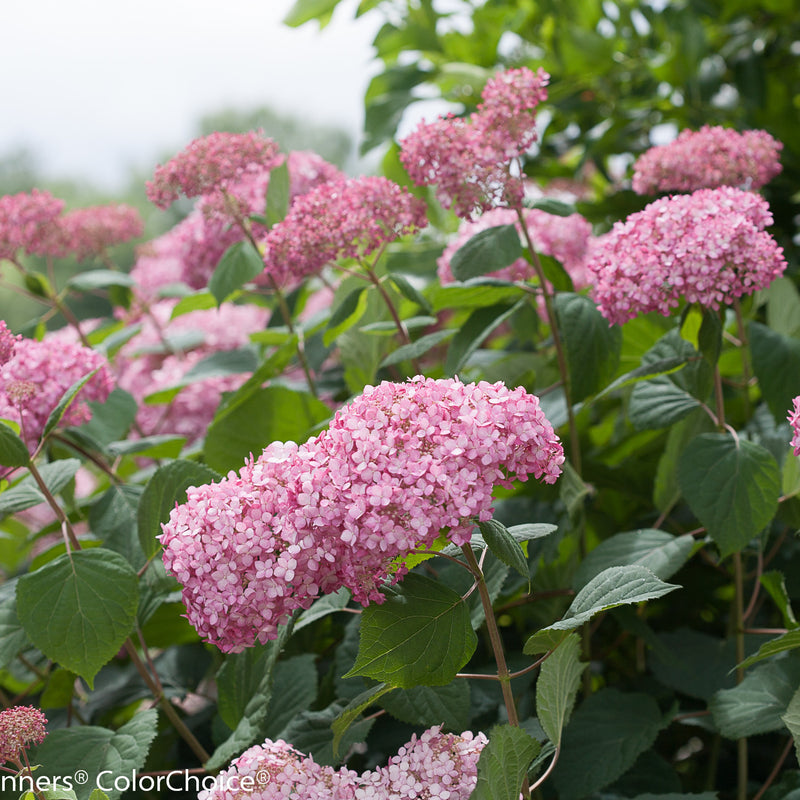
20	727
399	465
708	247
433	765
707	159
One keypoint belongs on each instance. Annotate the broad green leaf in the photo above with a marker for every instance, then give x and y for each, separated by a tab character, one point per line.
305	10
555	273
389	328
197	301
417	348
12	635
572	491
13	451
664	366
757	703
57	414
56	475
409	291
346	314
662	553
544	640
788	641
504	546
606	735
791	719
166	487
473	332
112	419
613	587
99	279
79	609
557	687
352	711
474	294
487	251
592	345
294	689
553	206
240	263
113	520
161	445
776	363
421	635
277	194
775	584
320	608
447	705
709	336
102	753
503	763
273	414
783	307
732	486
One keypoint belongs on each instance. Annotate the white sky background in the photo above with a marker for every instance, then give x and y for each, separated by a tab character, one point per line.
94	87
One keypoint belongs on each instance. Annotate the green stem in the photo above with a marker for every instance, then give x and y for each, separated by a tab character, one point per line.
738	609
66	525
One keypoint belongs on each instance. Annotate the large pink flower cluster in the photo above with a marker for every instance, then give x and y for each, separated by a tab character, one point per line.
20	727
794	421
708	247
26	221
190	252
163	352
399	465
339	220
210	164
89	232
709	158
468	159
38	373
433	766
564	238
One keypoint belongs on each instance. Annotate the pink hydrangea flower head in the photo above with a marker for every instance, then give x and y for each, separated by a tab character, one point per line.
339	220
468	159
50	367
417	458
26	222
89	232
794	421
7	343
564	238
709	158
708	247
210	164
20	727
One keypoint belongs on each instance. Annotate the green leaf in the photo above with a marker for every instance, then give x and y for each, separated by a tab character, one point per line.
166	487
791	719
472	333
487	251
66	400
389	328
475	294
504	546
305	10
592	345
104	755
605	737
572	491
776	363
161	445
346	314
656	369
273	414
353	710
788	641
556	274
415	349
277	194
99	279
328	604
757	703
503	763
732	486
56	475
553	206
783	307
421	635
111	420
294	689
13	452
113	520
12	635
709	337
409	291
79	609
240	263
197	301
557	687
662	553
775	584
426	706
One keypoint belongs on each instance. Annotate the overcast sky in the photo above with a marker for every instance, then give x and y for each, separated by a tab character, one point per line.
95	86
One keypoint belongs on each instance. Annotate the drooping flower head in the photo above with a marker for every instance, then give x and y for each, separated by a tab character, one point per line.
794	421
20	727
433	765
398	466
564	238
210	164
708	247
33	381
709	158
468	159
26	221
339	220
